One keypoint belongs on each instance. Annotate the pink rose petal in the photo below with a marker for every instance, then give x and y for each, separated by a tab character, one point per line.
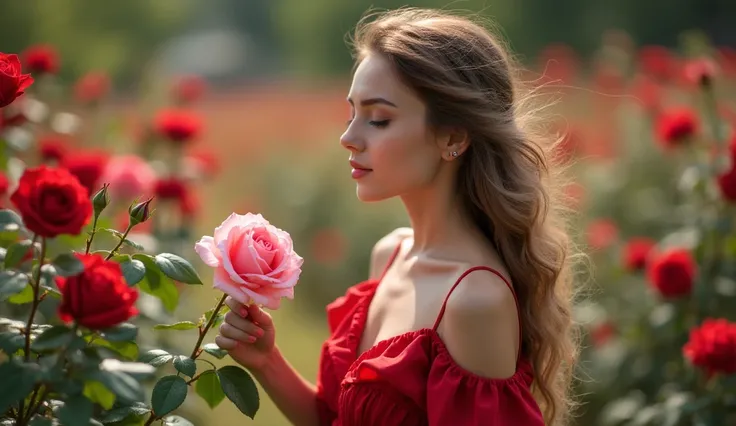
207	251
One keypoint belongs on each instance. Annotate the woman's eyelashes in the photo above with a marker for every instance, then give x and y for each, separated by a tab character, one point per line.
374	123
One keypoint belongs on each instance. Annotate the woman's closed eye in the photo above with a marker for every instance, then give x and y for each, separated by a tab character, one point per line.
374	123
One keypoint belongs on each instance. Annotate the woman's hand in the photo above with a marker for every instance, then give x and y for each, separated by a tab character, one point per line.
247	334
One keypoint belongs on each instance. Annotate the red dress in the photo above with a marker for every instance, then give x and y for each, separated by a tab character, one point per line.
411	379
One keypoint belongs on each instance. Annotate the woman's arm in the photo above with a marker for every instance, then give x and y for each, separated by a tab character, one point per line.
292	394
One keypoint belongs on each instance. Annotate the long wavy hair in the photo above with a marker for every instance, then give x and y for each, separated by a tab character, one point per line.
509	182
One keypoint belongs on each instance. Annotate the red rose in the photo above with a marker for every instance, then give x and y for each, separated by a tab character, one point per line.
700	71
12	81
727	180
676	126
658	62
177	125
171	189
92	87
52	148
99	297
4	184
52	202
602	233
87	167
188	89
672	272
635	253
712	346
41	59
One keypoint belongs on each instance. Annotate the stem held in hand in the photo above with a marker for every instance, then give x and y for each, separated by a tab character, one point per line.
203	332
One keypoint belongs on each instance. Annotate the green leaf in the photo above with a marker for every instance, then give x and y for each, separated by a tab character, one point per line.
41	421
124	386
119	235
157	284
220	316
121	333
16	252
208	387
129	350
76	411
185	365
177	268
10	342
240	388
17	382
121	413
156	357
67	265
25	296
182	325
10	220
133	270
214	350
53	338
168	394
13	283
177	421
98	393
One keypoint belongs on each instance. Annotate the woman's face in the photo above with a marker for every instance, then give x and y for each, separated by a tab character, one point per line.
393	151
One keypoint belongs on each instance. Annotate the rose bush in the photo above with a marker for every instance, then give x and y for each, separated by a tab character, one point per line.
75	340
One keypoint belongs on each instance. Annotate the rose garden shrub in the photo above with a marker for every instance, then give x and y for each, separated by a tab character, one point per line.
71	349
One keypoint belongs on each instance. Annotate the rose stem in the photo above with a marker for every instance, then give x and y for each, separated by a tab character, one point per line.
120	243
92	234
206	328
34	308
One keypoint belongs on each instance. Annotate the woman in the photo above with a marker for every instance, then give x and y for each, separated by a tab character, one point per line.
465	319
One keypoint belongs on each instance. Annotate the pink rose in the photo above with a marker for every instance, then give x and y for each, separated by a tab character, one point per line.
254	261
129	176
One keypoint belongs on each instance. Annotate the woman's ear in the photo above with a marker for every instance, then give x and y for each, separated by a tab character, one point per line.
453	142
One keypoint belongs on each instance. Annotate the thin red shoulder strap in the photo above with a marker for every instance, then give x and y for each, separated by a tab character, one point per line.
391	260
508	284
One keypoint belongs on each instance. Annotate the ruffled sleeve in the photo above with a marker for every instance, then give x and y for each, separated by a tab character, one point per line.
342	315
456	396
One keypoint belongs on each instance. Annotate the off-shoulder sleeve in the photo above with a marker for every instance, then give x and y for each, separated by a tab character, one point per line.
456	396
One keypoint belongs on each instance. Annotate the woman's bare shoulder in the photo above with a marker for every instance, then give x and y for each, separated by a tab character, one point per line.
385	247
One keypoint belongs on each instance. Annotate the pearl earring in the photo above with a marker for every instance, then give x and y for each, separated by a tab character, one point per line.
454	154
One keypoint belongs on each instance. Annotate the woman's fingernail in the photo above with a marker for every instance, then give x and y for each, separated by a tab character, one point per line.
251	339
259	332
243	312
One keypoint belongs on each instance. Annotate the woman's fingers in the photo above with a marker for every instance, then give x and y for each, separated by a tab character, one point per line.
225	343
236	307
243	324
231	332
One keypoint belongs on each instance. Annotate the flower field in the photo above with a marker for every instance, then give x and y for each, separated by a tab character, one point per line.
648	135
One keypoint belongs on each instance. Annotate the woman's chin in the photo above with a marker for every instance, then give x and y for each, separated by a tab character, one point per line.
369	195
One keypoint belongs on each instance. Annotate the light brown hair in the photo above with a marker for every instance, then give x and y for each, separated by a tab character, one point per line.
507	182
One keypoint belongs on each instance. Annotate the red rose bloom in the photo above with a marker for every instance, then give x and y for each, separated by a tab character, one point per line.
676	126
52	202
727	180
92	87
188	89
700	71
52	148
171	189
87	167
177	125
635	253
99	297
602	233
41	59
712	347
4	184
658	62
672	272
13	82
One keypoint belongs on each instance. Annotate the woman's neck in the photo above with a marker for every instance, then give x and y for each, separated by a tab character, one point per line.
437	219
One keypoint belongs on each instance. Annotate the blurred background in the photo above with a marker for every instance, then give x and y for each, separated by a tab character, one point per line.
264	83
